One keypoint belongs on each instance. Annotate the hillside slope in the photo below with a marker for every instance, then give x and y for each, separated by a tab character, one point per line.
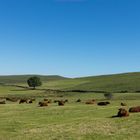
117	82
15	79
111	83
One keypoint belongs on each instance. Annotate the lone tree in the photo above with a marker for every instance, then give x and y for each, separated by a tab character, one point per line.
34	82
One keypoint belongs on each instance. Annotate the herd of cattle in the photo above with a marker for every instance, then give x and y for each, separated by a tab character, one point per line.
121	113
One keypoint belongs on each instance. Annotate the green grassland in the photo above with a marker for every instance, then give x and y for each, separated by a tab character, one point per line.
109	83
74	121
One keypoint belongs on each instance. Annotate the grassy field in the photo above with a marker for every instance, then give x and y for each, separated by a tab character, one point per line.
109	83
71	122
74	121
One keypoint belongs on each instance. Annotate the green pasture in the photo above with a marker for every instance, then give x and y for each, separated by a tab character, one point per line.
74	121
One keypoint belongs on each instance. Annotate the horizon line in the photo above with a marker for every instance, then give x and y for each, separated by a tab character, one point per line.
68	76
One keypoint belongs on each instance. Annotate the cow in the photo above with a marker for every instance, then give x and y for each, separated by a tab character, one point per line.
23	101
134	109
2	102
12	99
42	104
61	103
30	101
90	102
78	101
103	103
122	113
123	104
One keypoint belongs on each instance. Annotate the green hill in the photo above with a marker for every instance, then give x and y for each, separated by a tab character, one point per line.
118	82
109	83
15	79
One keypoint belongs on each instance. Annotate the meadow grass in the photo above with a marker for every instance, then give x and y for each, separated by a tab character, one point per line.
74	121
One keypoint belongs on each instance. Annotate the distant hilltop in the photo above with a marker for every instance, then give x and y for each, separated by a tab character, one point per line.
12	79
125	82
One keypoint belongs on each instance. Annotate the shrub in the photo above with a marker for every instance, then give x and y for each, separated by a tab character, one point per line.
108	96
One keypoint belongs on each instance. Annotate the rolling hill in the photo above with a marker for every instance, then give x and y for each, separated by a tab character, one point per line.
109	83
129	82
118	82
15	79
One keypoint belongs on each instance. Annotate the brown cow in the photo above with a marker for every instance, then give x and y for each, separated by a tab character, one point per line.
30	101
123	104
61	103
103	103
12	99
2	102
122	113
41	104
78	101
23	101
90	102
134	109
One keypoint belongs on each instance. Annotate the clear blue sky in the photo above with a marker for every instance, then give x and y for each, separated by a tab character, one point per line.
69	37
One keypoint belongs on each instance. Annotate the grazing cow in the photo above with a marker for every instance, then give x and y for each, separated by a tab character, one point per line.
122	113
90	102
123	104
61	103
12	99
134	109
103	103
41	104
23	101
30	101
78	101
2	102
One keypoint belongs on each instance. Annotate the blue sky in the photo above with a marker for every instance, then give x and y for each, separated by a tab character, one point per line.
69	37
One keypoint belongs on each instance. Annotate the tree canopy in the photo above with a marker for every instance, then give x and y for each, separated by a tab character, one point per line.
34	82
